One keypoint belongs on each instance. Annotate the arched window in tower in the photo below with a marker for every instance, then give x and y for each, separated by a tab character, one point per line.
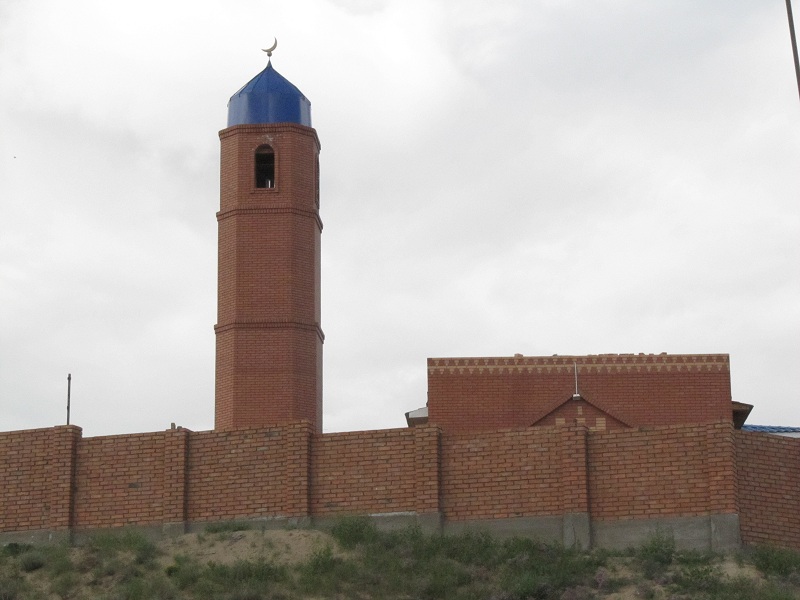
265	167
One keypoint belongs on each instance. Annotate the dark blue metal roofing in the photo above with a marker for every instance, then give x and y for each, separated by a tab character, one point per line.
269	98
771	428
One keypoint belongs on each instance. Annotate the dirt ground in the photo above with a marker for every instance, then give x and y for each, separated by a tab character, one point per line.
275	545
297	545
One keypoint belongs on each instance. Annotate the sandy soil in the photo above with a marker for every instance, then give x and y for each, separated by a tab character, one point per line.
275	545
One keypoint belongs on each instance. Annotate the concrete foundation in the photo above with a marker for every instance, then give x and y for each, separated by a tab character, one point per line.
714	532
548	529
37	537
719	533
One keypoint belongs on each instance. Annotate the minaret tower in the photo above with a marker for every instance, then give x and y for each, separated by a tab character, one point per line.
269	339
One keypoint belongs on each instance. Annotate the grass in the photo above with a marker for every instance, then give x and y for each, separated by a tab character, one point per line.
360	561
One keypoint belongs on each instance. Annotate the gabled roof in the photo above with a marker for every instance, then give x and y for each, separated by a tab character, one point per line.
598	405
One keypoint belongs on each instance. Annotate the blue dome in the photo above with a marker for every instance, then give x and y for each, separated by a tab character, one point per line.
269	98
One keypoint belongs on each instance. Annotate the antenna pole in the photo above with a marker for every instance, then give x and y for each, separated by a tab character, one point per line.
794	43
69	389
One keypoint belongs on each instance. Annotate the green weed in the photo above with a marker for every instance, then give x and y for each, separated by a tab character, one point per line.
15	549
11	587
108	545
349	532
699	578
656	554
775	561
31	560
399	564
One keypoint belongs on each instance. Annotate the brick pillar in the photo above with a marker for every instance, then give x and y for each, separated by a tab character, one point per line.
61	472
300	437
176	456
722	499
576	528
427	462
37	484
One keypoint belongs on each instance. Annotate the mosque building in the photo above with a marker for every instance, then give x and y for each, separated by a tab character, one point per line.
588	451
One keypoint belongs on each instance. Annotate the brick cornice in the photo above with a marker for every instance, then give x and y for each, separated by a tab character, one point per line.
598	363
271	127
259	324
271	209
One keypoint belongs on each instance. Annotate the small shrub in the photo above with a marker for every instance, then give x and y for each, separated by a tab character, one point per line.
109	544
31	561
108	568
15	549
776	561
185	572
646	589
244	572
656	554
699	578
58	560
64	584
530	586
322	561
472	548
352	531
133	589
444	576
327	575
659	548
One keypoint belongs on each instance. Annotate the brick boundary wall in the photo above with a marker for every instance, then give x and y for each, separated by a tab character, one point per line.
565	483
120	480
257	473
37	470
670	470
768	476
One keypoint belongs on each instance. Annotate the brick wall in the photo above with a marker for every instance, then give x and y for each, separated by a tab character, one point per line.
52	479
486	394
36	473
258	473
389	471
675	470
122	480
768	474
513	473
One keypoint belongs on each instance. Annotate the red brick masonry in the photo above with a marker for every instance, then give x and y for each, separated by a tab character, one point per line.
54	480
617	390
268	333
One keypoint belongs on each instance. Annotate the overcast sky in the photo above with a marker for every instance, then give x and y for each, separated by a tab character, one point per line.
516	176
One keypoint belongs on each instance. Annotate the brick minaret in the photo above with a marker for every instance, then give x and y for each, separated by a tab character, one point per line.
269	340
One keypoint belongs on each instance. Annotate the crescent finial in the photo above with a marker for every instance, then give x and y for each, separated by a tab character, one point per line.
271	48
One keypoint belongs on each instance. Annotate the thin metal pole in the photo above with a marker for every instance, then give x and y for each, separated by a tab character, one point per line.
794	43
69	389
